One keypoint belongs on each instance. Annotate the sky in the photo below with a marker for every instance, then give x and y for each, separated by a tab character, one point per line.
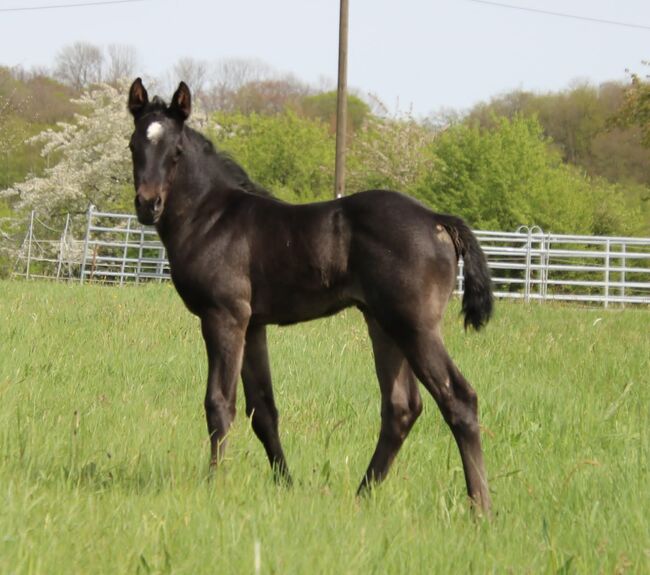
414	55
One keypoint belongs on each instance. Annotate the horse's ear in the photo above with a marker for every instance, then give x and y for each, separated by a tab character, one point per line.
138	98
181	106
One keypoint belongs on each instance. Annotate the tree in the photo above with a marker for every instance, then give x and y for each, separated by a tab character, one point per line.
29	102
291	155
122	63
571	118
636	106
389	153
598	129
508	175
94	166
193	72
323	106
228	76
13	132
270	96
79	65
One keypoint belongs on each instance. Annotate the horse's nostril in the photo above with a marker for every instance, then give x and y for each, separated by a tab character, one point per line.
138	201
158	204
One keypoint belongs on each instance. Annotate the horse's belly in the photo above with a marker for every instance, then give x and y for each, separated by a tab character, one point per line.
293	307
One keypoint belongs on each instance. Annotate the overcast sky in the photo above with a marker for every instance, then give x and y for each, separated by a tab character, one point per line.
418	54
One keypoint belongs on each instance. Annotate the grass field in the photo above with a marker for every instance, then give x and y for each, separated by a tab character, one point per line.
103	447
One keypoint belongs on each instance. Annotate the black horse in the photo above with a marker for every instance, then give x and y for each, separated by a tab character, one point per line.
241	259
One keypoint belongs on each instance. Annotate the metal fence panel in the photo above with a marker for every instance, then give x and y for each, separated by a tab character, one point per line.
534	265
118	249
528	264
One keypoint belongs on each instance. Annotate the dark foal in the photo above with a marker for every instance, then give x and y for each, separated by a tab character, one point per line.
241	259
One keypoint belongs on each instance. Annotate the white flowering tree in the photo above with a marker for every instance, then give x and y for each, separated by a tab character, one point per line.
92	164
390	152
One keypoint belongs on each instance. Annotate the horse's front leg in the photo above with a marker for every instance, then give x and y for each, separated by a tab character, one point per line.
260	405
224	334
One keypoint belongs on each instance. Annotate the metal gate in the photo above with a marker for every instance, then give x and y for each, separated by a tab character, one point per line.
527	264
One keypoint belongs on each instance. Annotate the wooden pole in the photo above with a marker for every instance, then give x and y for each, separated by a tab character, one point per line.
341	103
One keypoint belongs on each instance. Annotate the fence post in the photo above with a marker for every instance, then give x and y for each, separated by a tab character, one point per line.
91	209
623	264
161	263
539	231
30	237
529	247
139	264
62	245
607	261
547	264
125	253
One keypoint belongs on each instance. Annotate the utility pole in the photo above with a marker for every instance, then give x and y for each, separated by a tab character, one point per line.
341	103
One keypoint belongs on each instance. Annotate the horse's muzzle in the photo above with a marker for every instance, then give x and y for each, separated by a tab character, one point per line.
148	205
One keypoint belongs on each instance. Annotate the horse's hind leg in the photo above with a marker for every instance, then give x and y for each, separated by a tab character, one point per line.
458	403
224	335
260	406
400	402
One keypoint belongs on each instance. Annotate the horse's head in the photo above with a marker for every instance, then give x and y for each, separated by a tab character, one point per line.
156	147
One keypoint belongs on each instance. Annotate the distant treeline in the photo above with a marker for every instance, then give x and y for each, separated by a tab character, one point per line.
575	161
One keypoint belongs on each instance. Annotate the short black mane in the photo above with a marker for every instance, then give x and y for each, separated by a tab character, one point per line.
227	164
156	105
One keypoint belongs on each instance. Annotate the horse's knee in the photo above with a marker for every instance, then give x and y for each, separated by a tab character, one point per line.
261	404
465	393
218	409
461	414
400	417
263	415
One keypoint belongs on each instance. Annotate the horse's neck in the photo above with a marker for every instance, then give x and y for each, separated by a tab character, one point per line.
197	195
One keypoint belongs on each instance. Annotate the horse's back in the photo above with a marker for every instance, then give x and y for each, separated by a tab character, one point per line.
401	227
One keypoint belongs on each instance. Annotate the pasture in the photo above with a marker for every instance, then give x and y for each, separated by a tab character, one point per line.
104	451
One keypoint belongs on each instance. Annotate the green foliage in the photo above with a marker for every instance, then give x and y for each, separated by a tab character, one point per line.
291	155
636	106
581	123
508	175
37	98
7	242
19	158
522	159
104	451
323	107
94	164
29	104
597	129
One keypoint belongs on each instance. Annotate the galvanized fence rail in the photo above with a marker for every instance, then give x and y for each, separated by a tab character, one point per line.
47	253
528	264
532	265
117	249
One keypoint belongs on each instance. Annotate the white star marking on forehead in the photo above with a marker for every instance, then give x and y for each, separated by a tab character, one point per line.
155	132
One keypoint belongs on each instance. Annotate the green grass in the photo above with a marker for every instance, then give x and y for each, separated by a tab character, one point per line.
103	447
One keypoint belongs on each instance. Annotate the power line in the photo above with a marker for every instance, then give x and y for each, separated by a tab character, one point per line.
562	14
79	5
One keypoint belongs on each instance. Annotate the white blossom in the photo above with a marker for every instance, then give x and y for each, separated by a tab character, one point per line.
94	164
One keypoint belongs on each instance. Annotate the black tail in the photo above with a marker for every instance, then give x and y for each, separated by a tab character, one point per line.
477	297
